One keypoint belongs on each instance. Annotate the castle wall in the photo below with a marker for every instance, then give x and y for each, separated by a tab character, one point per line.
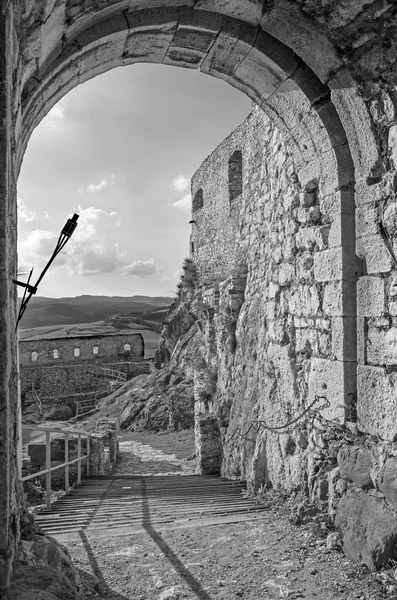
271	274
65	377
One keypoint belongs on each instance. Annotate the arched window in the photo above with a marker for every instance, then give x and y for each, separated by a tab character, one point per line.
55	354
235	175
95	350
198	200
192	247
127	347
76	352
35	355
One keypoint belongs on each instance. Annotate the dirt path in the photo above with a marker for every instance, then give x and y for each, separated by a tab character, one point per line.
261	559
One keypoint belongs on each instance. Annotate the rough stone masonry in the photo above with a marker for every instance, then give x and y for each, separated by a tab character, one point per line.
66	370
324	74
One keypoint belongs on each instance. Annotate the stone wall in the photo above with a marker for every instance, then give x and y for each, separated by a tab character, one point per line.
109	348
324	72
271	273
50	368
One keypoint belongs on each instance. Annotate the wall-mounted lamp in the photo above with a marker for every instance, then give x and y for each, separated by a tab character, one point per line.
30	290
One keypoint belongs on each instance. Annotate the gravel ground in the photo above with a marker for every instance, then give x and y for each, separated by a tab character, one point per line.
253	560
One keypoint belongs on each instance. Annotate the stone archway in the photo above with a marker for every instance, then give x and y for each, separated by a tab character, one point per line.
288	62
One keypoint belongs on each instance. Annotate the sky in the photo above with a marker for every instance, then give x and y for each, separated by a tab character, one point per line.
119	150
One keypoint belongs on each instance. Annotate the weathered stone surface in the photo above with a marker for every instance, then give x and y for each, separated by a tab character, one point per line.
44	572
208	443
41	583
65	370
377	408
387	481
368	527
370	296
355	464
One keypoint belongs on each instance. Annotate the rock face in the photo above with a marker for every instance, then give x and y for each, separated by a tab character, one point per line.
164	399
44	572
369	529
355	464
388	481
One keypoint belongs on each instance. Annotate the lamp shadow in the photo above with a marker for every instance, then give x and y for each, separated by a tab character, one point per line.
194	585
191	581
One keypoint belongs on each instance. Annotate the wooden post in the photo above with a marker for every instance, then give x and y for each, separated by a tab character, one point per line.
88	454
67	463
48	466
79	457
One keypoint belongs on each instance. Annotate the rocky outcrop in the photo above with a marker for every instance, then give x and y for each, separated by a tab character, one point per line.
44	569
369	528
164	399
360	492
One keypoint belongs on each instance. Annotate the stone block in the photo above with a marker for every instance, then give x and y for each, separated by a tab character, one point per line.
353	110
393	144
373	250
370	297
257	74
376	401
387	481
333	299
366	221
327	378
355	464
381	346
304	301
344	346
328	265
230	47
337	204
342	232
208	446
368	527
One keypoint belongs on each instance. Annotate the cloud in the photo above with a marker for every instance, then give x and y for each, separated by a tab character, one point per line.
92	249
24	212
184	203
140	268
37	248
97	187
181	183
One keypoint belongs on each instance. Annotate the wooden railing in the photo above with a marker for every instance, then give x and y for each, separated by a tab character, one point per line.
48	470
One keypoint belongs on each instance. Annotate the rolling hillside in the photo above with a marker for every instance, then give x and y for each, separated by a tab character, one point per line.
44	312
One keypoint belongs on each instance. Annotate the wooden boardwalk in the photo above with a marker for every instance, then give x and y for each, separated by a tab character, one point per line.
108	506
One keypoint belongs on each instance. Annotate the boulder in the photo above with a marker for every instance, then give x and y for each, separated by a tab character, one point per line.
388	481
44	571
368	528
40	583
355	464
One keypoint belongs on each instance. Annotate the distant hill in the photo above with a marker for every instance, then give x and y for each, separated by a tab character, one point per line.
43	311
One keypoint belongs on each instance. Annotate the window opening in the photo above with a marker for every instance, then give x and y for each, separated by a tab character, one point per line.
198	200
55	354
35	355
76	352
95	350
127	347
235	175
